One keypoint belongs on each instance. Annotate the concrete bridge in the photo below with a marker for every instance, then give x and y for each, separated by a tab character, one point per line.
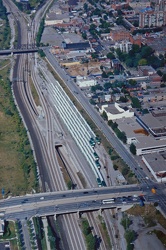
62	202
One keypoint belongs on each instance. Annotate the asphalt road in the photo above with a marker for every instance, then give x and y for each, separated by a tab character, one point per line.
68	206
28	199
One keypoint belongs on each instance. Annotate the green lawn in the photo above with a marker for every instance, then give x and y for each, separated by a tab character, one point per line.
17	167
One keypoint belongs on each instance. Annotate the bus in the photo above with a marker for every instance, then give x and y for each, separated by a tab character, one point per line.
112	200
96	156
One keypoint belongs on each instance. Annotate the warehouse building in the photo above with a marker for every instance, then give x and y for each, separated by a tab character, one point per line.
156	163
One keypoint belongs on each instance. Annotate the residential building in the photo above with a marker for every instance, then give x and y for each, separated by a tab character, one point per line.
135	4
124	46
151	18
146	70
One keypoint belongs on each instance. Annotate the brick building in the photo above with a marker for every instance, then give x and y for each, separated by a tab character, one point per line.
119	34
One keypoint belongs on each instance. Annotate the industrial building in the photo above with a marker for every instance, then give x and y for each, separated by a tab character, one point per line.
156	163
144	141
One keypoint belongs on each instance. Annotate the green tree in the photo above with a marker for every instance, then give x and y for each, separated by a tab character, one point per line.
105	116
85	227
133	149
135	48
84	36
92	102
146	51
91	242
110	55
114	125
129	62
107	85
85	7
104	75
164	77
94	55
110	122
122	136
135	102
130	236
41	53
142	62
125	222
132	82
159	72
125	171
123	99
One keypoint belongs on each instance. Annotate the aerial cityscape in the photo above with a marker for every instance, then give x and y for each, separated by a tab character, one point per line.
82	125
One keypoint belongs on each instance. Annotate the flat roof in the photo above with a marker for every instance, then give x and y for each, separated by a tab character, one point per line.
156	161
149	142
112	109
152	121
129	125
54	16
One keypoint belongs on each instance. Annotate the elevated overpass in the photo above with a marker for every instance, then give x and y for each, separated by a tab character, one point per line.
62	202
18	51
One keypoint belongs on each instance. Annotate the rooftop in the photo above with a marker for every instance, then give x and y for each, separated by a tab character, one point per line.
149	142
53	16
155	121
112	109
130	126
156	161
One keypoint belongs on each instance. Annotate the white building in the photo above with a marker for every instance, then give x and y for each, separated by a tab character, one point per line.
124	46
85	82
147	145
116	111
156	163
152	18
